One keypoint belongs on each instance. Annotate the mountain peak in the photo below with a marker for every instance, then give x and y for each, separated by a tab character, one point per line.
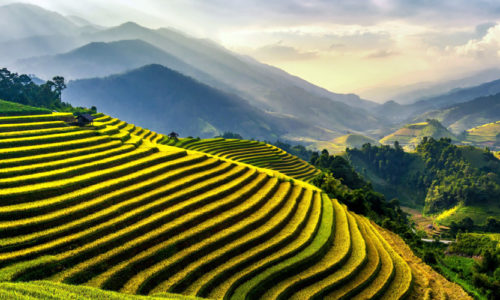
131	25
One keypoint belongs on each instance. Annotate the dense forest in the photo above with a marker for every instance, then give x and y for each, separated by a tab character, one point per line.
444	172
23	90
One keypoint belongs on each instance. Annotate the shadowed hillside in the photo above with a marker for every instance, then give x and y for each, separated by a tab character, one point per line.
176	103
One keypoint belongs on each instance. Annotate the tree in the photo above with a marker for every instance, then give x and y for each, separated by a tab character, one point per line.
59	85
492	225
173	135
466	224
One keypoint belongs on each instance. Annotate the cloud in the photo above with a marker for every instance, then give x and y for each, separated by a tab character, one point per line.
279	52
380	54
487	47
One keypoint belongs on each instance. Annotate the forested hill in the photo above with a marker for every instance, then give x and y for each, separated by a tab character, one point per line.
439	176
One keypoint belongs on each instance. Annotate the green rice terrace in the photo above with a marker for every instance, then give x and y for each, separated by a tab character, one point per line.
8	108
255	153
107	207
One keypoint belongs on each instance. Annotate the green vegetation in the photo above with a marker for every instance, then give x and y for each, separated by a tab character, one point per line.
106	206
341	181
21	89
297	150
59	291
339	144
473	261
460	183
442	175
410	135
463	116
259	154
487	135
15	109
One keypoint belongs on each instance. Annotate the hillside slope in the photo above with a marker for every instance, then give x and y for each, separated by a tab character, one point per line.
410	135
467	115
105	206
338	145
443	180
254	153
398	113
99	59
58	291
487	135
8	108
176	103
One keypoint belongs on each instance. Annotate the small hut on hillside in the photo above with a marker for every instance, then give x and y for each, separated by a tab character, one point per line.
84	119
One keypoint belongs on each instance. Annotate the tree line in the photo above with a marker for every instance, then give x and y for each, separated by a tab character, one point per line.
22	89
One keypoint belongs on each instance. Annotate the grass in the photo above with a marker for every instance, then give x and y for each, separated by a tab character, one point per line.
56	155
251	152
110	224
52	165
107	206
154	225
478	213
105	162
369	272
211	280
402	280
250	246
32	150
262	281
20	128
247	215
300	241
8	108
336	255
36	118
35	132
386	273
58	291
113	209
450	265
337	267
29	193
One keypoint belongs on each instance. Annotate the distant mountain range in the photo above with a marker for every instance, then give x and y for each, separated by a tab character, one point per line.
407	113
408	94
99	59
77	49
468	114
177	103
102	52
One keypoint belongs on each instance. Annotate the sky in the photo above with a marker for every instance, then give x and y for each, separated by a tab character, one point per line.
344	46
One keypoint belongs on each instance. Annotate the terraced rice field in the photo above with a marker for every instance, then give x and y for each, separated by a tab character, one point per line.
105	207
486	135
254	153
